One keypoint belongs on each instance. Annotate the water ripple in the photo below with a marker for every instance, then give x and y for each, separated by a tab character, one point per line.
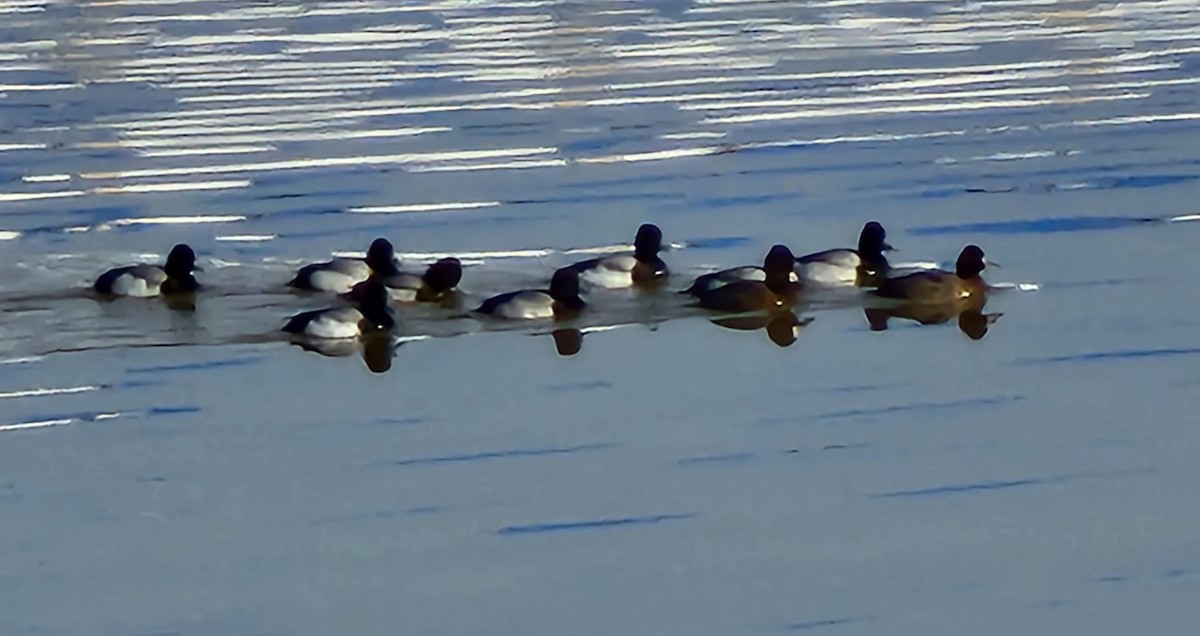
1005	484
920	406
504	454
1122	354
798	627
540	528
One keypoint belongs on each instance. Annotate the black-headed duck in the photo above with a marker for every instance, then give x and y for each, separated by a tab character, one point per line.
370	313
145	281
643	267
439	280
708	282
843	267
775	291
560	301
341	274
939	286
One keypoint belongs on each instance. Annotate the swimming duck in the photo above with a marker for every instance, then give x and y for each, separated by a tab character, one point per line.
341	274
708	282
939	286
560	301
145	281
434	285
644	267
777	290
862	267
370	313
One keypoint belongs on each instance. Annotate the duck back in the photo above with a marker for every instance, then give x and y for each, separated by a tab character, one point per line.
519	305
741	296
139	281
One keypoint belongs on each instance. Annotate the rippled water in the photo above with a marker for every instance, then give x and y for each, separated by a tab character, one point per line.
179	471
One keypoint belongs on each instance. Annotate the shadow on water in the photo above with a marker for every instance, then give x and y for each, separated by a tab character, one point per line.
1052	225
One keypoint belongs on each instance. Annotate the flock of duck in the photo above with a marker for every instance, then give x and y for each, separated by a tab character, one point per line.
369	289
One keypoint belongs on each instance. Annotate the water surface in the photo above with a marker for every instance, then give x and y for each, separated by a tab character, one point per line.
180	471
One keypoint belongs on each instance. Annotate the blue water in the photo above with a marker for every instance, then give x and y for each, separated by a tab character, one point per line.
180	470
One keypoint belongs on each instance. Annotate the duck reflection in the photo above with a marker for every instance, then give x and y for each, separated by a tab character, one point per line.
181	301
567	342
782	327
377	349
184	302
969	312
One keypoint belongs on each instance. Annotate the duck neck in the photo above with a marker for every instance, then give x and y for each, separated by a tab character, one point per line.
378	315
646	253
875	261
968	273
185	282
779	281
569	301
385	268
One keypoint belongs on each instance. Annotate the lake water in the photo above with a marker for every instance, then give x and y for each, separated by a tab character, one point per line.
174	471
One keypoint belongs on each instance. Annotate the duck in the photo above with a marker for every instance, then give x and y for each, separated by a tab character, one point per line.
561	301
340	275
370	313
643	267
708	282
845	267
146	281
775	291
436	284
940	286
